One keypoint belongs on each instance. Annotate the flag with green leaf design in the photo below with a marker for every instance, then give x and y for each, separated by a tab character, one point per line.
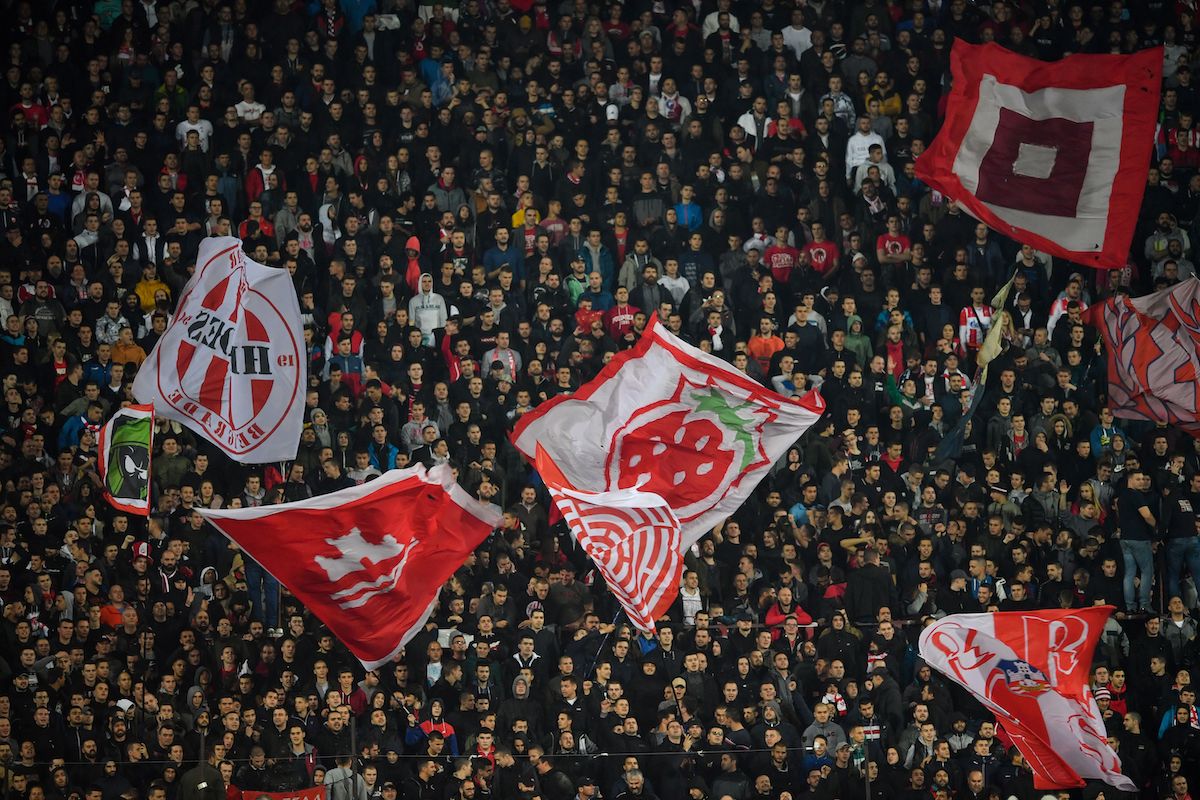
667	418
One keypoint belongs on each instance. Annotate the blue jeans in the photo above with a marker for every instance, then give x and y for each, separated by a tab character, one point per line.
1181	551
264	595
1139	560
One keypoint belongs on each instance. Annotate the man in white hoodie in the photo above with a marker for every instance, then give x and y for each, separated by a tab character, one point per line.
858	148
427	310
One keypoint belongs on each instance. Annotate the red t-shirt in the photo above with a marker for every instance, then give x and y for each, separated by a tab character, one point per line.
823	256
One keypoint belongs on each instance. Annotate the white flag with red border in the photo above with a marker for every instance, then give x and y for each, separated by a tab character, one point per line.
1052	154
369	560
633	536
1030	668
668	419
231	365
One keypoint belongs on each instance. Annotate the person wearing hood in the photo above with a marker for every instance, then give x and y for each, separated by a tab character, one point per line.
519	705
857	342
413	272
427	309
203	782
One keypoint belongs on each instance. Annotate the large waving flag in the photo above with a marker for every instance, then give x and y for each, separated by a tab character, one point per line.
1031	670
633	537
125	445
369	560
1051	154
231	365
1153	345
665	418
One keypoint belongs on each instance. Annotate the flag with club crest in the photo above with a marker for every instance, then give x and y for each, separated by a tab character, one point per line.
231	365
1030	669
368	560
667	419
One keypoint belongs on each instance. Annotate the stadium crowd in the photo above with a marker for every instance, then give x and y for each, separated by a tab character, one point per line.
480	202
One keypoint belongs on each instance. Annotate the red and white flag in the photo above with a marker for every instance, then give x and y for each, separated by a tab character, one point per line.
633	537
1052	154
369	560
667	419
1153	347
1031	670
231	365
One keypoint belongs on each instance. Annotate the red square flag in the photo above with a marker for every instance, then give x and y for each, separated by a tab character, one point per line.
369	560
1052	154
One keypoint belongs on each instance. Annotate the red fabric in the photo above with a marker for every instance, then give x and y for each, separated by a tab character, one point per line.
369	560
412	275
1140	75
1153	346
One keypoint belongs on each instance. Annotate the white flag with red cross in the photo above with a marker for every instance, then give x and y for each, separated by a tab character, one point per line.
667	419
231	365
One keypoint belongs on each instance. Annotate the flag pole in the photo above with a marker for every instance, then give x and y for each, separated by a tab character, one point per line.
604	641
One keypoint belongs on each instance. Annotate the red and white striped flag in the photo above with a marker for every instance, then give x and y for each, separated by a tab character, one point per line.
633	536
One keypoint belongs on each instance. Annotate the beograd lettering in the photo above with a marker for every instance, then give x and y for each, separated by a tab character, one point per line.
213	332
216	426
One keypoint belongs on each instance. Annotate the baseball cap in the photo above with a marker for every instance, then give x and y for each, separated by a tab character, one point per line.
142	550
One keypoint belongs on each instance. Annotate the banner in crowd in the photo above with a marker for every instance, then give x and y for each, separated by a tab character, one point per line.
231	364
125	447
665	418
1153	345
311	793
1031	670
368	560
633	537
1052	154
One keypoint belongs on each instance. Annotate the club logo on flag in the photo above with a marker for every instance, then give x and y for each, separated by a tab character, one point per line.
1022	678
668	419
230	365
354	553
712	440
1052	154
368	560
1024	666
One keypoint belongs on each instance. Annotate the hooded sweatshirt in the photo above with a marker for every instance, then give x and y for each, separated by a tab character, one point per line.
427	310
858	343
412	275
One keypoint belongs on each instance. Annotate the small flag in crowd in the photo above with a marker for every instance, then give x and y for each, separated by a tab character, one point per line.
125	446
368	560
667	419
231	364
633	537
951	445
1153	345
1052	154
1031	670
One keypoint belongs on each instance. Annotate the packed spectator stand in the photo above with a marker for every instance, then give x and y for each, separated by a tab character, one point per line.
480	202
